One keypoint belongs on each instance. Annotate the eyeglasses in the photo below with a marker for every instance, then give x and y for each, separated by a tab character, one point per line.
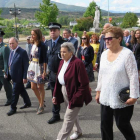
84	38
108	38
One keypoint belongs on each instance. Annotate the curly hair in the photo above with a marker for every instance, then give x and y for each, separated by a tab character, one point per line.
134	39
117	31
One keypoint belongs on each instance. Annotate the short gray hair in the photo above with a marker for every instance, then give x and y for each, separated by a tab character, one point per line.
69	46
127	30
68	30
110	25
14	39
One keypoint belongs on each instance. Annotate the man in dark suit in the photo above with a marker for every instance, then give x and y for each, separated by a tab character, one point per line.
67	36
53	59
102	46
18	66
127	39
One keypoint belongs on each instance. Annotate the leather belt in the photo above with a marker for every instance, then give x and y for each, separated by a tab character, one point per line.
35	59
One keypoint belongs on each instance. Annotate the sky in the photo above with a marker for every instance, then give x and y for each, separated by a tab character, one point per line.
114	5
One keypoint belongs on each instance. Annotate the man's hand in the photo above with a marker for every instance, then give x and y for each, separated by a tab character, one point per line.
97	97
127	44
130	101
54	100
96	66
24	81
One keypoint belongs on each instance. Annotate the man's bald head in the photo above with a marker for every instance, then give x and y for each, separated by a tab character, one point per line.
13	43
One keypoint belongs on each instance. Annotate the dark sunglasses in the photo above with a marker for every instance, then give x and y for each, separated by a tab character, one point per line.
84	38
108	38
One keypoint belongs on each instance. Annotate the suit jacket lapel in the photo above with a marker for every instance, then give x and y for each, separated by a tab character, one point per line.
15	55
70	64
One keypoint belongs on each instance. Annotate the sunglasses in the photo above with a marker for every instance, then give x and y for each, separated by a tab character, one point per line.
84	38
108	38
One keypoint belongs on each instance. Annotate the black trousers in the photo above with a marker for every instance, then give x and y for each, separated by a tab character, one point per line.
122	118
56	107
7	87
18	88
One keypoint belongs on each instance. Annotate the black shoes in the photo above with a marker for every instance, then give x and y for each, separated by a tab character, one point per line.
7	103
11	112
54	119
48	88
25	106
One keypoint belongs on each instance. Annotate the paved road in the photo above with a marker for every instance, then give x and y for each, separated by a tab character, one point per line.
26	125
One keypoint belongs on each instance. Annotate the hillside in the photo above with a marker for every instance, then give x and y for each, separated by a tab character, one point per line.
35	4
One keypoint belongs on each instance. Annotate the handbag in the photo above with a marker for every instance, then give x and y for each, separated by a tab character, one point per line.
124	94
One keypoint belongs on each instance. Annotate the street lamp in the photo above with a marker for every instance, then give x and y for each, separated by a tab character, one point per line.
15	13
108	10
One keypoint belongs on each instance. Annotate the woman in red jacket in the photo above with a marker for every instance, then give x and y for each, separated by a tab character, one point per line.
72	86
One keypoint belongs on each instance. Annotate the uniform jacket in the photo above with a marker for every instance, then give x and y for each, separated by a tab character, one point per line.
75	42
53	55
4	56
76	82
19	66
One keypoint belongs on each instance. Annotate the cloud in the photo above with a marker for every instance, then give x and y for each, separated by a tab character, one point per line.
56	0
124	8
81	4
125	2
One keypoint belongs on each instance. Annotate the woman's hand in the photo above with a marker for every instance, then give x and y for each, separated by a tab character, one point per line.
130	101
44	75
95	52
54	100
97	97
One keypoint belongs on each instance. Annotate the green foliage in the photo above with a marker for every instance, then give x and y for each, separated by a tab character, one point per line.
48	13
90	10
0	17
90	34
83	24
129	20
64	20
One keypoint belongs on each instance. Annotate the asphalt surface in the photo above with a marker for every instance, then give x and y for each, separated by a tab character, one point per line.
27	125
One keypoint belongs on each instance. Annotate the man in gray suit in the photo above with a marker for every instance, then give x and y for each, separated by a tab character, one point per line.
67	36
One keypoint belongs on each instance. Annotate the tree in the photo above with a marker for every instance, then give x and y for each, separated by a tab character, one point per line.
91	10
0	16
83	24
129	20
48	13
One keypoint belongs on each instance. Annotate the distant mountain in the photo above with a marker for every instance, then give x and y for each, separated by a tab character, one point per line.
35	4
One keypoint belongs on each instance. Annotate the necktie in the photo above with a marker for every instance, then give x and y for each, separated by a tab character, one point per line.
11	57
53	45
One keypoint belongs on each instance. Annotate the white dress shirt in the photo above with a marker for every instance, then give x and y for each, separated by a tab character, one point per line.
62	72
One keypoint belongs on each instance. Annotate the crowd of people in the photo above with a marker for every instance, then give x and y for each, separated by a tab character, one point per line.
67	63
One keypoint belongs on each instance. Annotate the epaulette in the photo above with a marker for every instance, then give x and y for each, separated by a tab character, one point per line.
5	45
